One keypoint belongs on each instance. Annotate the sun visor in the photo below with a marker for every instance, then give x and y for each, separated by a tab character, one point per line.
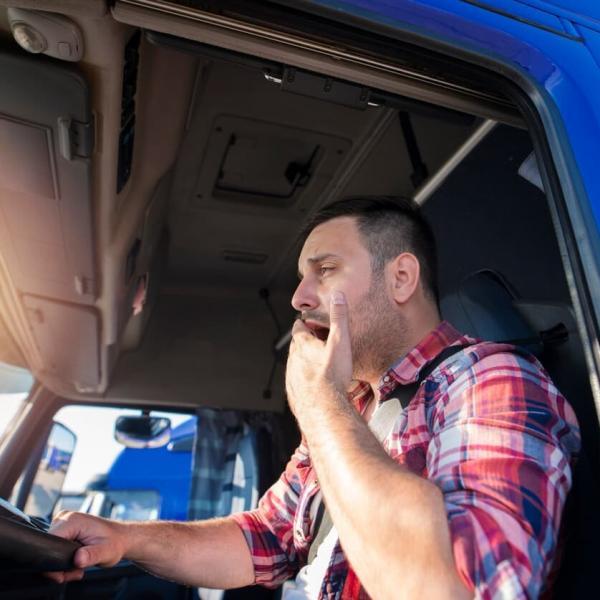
46	237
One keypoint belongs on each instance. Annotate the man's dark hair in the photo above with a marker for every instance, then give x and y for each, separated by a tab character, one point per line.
389	225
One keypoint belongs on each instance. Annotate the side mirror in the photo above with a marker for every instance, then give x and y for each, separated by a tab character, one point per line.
143	431
47	484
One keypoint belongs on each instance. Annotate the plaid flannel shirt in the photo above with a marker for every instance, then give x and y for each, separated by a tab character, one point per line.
489	428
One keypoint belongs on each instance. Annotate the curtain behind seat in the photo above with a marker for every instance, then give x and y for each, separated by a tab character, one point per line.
217	441
225	471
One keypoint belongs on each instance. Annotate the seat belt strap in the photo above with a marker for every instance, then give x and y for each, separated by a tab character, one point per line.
381	425
323	525
424	373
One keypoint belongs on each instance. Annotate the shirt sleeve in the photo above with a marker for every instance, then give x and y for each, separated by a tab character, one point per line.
269	530
500	452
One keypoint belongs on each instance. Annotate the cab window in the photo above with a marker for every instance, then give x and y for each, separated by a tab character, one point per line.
15	384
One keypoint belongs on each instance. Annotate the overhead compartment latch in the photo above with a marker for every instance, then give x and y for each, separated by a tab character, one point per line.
75	139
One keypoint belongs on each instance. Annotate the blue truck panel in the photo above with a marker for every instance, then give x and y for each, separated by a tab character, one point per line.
165	470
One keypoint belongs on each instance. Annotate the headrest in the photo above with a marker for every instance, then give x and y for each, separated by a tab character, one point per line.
483	306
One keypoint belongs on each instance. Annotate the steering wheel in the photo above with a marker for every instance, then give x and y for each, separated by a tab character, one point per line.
24	542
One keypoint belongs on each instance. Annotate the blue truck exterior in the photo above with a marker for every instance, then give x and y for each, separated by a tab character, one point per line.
166	471
56	459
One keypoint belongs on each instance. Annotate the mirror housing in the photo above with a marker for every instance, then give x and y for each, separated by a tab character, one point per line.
50	474
143	431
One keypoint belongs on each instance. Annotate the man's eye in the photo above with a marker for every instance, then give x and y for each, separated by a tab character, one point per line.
323	270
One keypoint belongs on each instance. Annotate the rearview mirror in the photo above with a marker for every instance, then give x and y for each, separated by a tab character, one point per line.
143	431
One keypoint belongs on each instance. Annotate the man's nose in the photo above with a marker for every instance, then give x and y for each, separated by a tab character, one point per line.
305	297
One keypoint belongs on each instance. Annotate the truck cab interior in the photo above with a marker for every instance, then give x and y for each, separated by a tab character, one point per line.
154	180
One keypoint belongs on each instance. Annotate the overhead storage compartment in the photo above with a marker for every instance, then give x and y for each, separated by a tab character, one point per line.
46	237
67	338
45	198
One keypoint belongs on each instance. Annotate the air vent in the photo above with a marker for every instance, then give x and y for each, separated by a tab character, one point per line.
126	137
245	256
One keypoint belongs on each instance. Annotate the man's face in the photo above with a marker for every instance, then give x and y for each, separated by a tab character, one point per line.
334	257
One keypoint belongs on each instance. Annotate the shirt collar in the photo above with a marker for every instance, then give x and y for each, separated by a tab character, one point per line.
407	369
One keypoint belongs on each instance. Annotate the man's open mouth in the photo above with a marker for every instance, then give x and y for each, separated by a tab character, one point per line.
319	331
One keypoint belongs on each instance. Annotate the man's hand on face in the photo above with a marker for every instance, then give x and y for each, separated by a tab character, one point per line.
314	365
103	542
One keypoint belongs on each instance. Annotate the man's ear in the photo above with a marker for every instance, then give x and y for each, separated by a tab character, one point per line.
404	273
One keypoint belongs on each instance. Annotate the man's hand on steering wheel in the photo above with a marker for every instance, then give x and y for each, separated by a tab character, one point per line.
103	542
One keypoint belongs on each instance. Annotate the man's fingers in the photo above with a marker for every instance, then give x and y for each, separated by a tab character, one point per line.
61	525
298	327
57	576
69	525
97	554
74	575
86	557
338	317
101	542
338	343
65	576
301	334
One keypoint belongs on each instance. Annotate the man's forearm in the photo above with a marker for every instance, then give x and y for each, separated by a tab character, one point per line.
392	524
205	553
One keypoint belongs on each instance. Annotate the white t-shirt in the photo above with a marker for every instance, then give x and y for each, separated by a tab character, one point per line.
309	579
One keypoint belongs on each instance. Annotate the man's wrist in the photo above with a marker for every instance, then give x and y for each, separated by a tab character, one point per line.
131	539
321	415
325	396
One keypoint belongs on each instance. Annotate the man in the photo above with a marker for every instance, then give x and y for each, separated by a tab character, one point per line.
464	498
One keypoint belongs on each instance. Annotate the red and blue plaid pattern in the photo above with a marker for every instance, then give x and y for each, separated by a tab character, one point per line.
489	428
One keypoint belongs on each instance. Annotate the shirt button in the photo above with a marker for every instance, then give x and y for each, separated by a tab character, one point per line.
386	379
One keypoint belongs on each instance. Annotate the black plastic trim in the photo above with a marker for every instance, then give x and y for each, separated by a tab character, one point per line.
323	24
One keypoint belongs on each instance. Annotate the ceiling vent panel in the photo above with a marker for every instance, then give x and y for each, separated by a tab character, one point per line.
266	164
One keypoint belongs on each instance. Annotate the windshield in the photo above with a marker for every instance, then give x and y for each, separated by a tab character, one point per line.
15	384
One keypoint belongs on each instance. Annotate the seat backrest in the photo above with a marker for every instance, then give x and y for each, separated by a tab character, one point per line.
484	306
